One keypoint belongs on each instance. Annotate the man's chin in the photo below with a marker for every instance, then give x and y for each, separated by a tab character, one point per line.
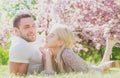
31	40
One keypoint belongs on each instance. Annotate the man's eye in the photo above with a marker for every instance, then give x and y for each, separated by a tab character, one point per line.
27	27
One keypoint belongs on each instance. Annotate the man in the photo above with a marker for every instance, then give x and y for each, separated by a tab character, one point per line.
24	53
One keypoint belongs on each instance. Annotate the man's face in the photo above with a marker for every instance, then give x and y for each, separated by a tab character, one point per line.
27	29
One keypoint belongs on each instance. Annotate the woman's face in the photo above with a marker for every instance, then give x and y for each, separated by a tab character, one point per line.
52	40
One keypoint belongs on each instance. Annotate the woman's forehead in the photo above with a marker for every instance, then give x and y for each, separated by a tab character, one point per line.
52	31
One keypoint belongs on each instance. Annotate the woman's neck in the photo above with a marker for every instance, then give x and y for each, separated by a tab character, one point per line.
54	51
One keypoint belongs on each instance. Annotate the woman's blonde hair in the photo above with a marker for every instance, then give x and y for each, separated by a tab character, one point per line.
65	34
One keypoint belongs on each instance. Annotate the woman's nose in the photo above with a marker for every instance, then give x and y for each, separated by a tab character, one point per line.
46	37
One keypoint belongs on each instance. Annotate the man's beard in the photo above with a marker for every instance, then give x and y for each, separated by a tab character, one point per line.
26	38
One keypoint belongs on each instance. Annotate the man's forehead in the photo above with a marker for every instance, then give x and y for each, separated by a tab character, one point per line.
27	21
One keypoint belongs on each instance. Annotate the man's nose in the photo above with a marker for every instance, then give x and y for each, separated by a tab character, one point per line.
32	30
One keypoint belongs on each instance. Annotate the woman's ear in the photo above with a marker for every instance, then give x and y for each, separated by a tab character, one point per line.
61	42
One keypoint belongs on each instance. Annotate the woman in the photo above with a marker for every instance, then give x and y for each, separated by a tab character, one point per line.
60	57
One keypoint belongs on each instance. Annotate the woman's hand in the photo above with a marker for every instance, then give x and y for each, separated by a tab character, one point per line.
42	50
45	52
47	60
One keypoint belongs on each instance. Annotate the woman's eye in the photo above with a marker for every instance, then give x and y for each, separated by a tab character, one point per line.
51	35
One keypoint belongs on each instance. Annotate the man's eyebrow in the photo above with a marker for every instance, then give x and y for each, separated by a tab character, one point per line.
27	25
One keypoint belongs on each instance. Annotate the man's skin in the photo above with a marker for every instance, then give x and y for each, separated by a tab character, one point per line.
18	68
27	31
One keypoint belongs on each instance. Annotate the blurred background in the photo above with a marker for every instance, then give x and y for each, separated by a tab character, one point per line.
92	21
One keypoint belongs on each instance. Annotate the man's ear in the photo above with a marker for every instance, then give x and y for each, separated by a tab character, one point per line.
15	31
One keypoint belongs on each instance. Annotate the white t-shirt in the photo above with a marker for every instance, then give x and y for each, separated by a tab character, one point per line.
22	51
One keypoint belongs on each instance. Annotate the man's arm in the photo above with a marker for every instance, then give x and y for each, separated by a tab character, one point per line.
19	56
18	68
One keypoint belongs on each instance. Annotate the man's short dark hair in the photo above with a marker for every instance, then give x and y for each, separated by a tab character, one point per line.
18	17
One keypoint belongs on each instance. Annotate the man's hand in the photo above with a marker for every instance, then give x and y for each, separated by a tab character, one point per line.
18	68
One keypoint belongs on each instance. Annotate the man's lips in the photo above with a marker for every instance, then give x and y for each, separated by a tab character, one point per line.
33	36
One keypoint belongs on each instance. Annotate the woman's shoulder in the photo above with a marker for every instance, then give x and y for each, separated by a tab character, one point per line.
67	53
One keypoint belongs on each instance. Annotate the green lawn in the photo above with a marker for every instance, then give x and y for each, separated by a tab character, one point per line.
4	73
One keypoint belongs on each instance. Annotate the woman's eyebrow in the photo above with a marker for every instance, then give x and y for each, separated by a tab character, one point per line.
51	33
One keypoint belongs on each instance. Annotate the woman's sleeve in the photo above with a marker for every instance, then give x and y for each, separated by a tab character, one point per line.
74	61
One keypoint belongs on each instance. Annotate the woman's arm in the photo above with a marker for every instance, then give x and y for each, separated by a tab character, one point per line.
48	67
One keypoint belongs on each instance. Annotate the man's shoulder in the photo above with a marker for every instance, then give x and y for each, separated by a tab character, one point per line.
19	46
18	41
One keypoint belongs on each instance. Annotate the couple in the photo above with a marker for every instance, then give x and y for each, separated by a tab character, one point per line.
26	56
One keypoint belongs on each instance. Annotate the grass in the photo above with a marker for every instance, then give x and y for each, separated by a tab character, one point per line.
4	73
